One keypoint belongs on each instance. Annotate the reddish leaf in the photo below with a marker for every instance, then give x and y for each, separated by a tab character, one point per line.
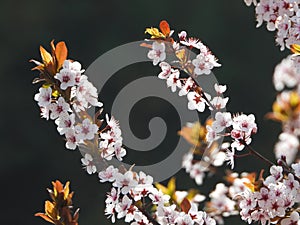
42	215
165	28
46	56
61	53
185	205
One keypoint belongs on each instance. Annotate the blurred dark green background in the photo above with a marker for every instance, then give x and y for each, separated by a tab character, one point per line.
33	153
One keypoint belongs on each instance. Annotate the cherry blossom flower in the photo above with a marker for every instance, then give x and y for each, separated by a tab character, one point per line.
195	101
114	127
140	219
276	175
245	123
207	219
230	157
184	220
43	97
188	85
158	198
285	74
87	161
294	219
108	174
204	63
65	122
72	139
167	214
66	78
166	70
287	146
173	80
191	42
259	215
144	186
292	185
45	112
113	135
113	196
125	182
220	203
218	157
219	103
125	209
222	121
263	196
110	212
144	180
107	150
238	185
220	89
86	130
182	35
58	108
211	134
276	207
187	162
73	65
239	140
157	54
296	168
119	151
198	172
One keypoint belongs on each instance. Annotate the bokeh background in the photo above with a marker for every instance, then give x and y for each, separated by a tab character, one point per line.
33	153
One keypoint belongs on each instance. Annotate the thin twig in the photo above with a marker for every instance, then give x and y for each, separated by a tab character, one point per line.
258	155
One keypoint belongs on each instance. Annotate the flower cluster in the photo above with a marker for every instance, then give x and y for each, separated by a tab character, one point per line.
286	108
65	98
66	95
223	201
239	127
84	95
286	75
281	16
165	47
273	200
202	158
133	198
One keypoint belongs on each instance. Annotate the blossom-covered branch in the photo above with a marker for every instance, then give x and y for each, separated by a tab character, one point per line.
238	127
65	96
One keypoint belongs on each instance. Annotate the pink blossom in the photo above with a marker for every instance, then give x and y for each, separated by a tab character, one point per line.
157	54
43	97
86	130
108	174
